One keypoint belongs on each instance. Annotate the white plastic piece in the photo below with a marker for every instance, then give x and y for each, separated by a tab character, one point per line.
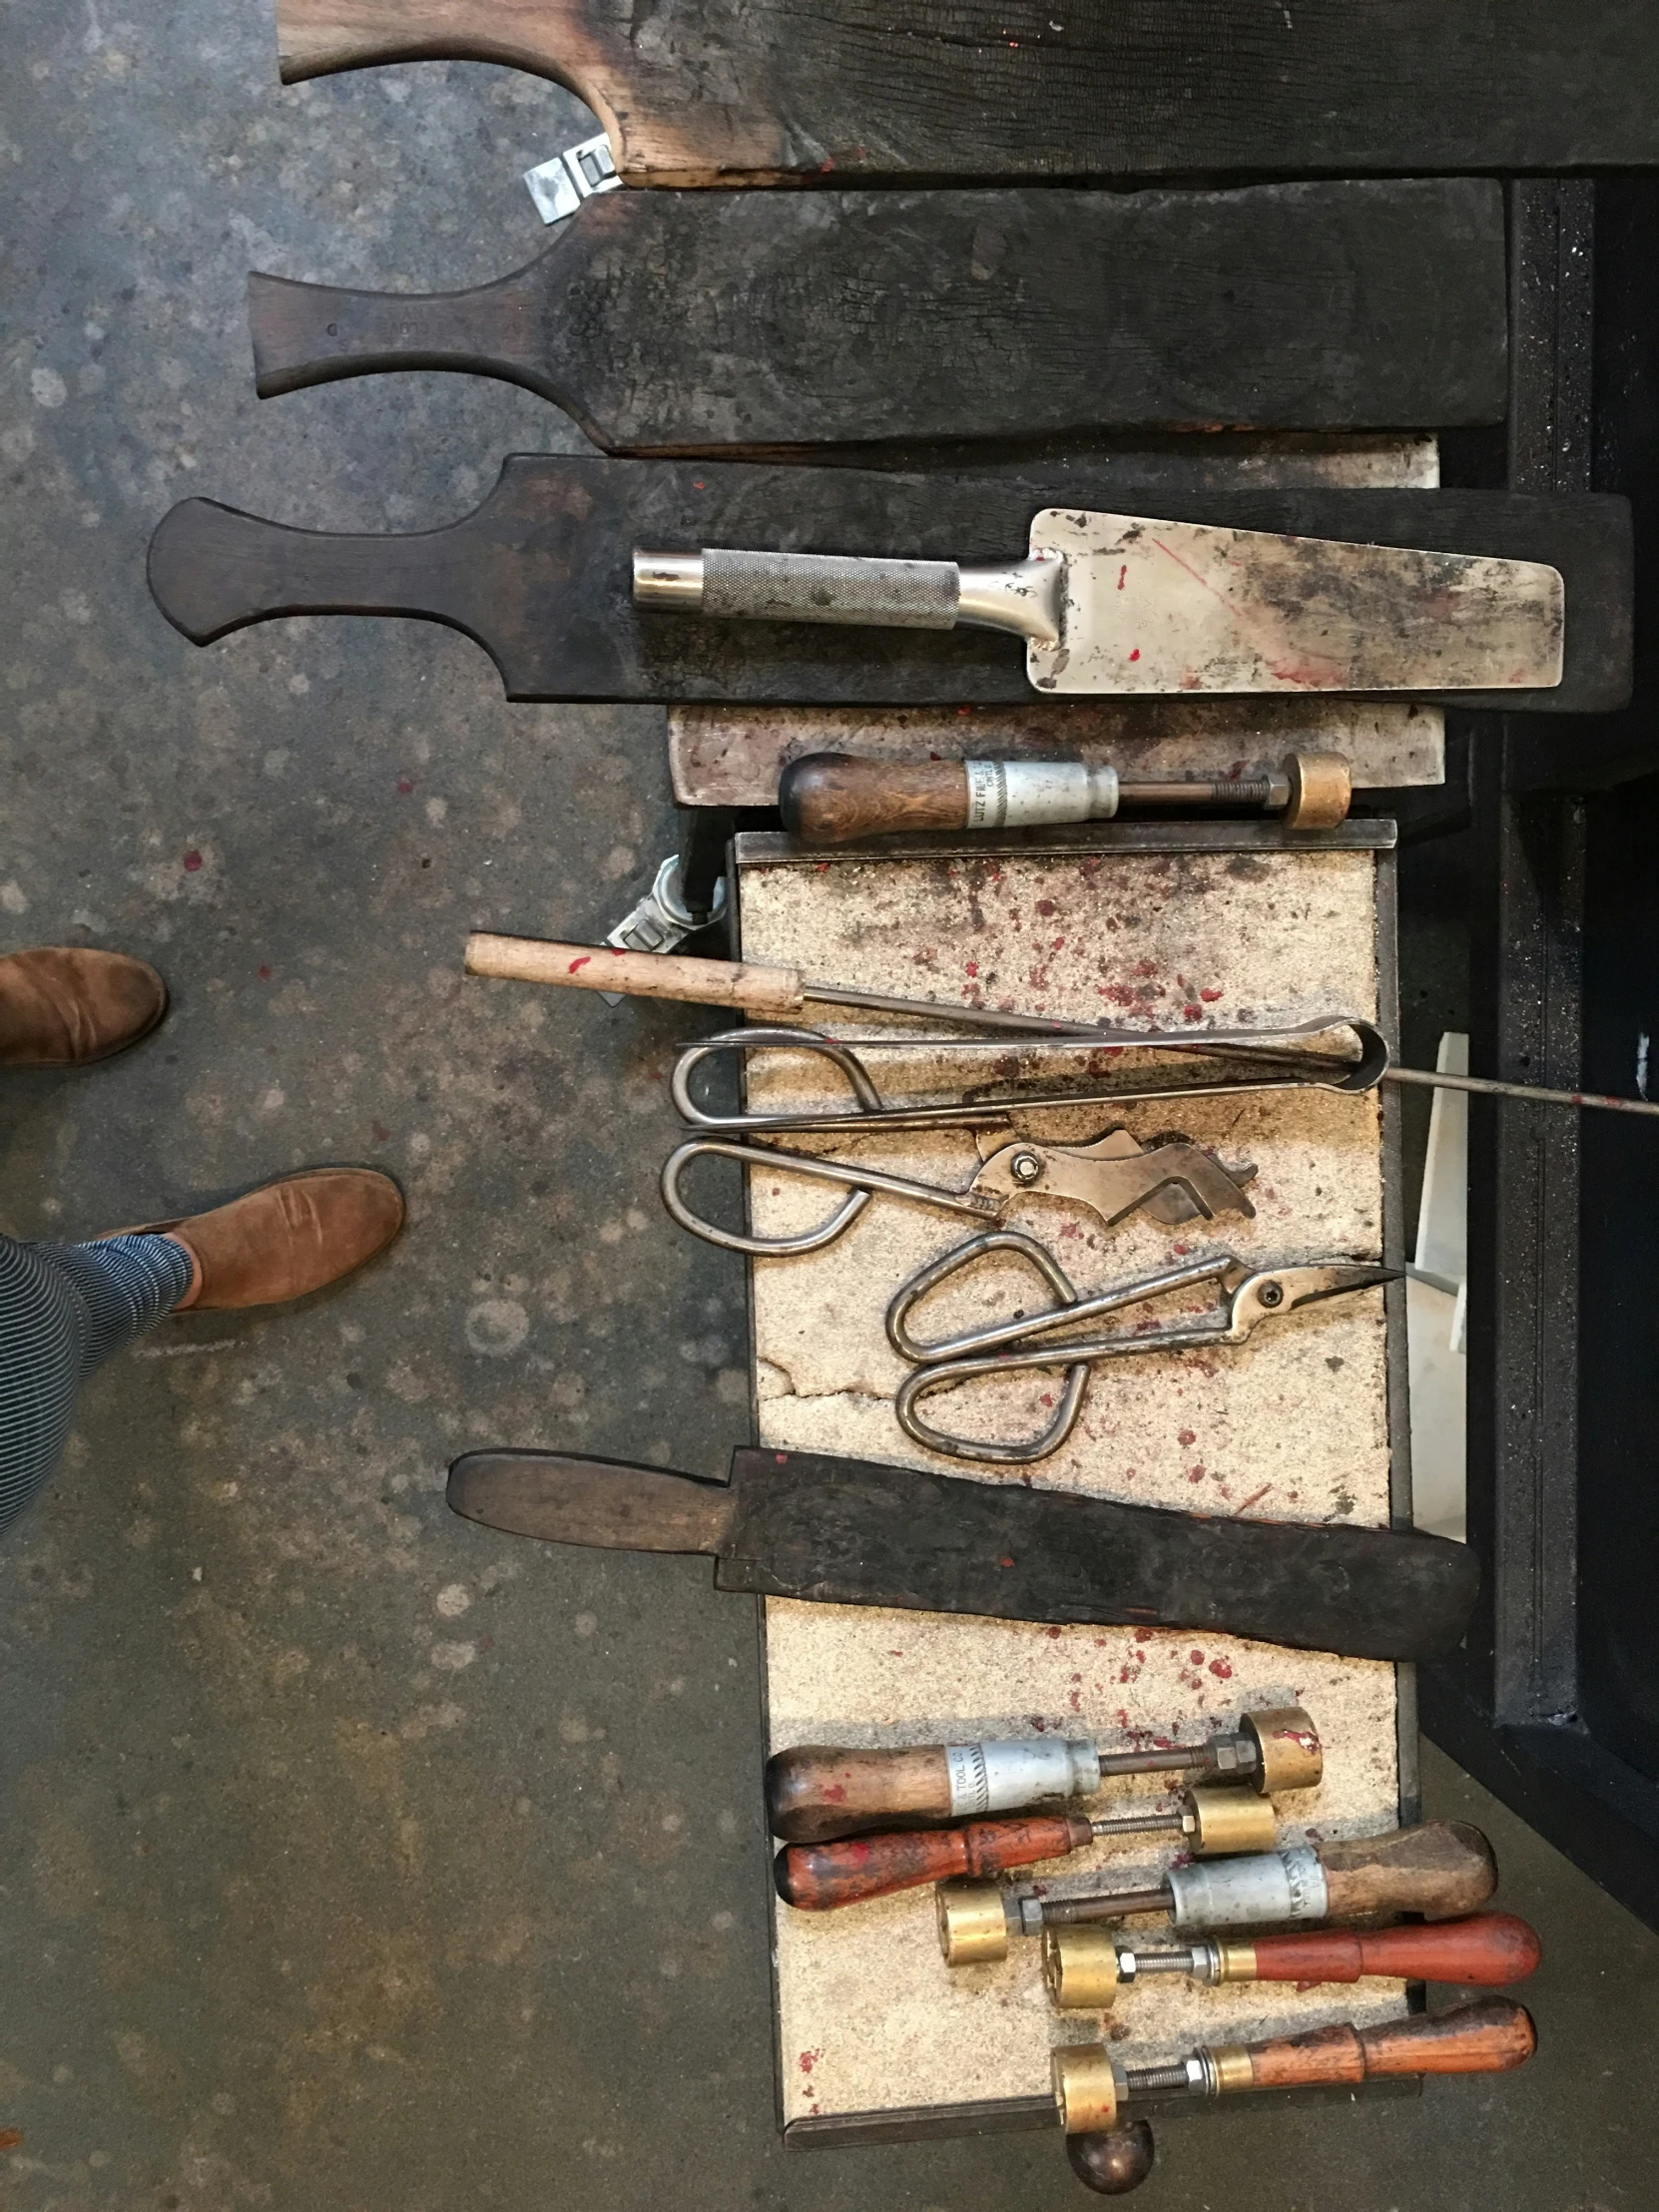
1437	1304
1232	1892
560	186
995	1777
1004	793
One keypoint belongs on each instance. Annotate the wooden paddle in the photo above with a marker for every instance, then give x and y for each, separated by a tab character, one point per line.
753	321
540	575
702	92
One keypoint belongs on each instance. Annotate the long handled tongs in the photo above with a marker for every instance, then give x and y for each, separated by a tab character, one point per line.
1251	1295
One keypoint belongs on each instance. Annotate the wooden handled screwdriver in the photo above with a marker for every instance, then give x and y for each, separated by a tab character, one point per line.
819	1878
1439	1870
1091	2088
829	798
1086	1966
816	1792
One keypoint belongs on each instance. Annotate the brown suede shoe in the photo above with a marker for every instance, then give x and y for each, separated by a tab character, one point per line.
287	1238
62	1006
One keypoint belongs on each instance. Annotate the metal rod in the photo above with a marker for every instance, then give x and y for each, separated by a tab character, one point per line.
1137	1824
1484	1087
1116	1905
1180	1760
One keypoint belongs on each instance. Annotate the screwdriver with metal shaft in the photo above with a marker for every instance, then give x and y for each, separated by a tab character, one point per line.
1439	1869
1085	1966
816	1792
778	991
819	1878
1492	2035
829	798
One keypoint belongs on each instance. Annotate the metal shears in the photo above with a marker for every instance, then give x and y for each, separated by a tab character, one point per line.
1112	1176
1249	1295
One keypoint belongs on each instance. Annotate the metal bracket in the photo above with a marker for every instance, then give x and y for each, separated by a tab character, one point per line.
662	919
560	186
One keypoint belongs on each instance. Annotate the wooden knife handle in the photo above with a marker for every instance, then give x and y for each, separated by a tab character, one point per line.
819	1878
827	798
314	334
1439	1869
1488	1950
816	1792
602	967
1489	2036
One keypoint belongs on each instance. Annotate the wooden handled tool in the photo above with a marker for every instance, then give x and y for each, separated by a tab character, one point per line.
1489	2036
539	574
818	1791
819	1878
1085	1968
1439	1870
1130	604
728	91
718	322
832	797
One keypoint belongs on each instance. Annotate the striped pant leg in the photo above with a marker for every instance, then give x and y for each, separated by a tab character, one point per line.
64	1308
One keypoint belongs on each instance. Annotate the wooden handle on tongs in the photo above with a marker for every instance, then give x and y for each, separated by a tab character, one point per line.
604	967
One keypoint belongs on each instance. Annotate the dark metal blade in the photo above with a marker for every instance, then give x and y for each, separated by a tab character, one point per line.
569	1500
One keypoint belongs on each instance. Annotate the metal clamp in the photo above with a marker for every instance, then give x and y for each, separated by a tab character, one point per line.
560	186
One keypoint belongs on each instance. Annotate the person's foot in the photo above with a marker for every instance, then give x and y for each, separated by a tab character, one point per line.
285	1239
65	1006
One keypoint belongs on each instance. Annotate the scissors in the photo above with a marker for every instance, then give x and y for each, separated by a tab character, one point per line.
1112	1176
1249	1295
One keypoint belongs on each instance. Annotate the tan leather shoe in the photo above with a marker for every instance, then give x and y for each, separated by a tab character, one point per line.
63	1006
287	1238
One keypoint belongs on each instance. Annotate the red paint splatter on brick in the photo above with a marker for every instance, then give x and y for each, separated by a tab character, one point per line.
1210	996
405	784
263	974
581	963
1186	1436
193	860
971	968
1221	1670
1123	575
808	2060
1191	1013
1195	1658
1135	656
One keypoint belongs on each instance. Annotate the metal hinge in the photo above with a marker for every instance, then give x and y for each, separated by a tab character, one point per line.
560	186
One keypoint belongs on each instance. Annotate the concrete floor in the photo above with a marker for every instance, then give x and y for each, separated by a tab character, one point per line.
355	1860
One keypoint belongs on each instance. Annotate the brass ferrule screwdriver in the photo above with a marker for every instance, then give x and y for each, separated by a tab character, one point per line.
819	1878
1085	1968
1441	1870
1489	2036
816	1792
832	797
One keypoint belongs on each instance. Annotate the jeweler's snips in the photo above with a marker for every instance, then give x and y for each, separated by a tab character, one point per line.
1250	1296
1112	1176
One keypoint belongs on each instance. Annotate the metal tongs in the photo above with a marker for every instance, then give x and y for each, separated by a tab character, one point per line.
1251	1295
1112	1176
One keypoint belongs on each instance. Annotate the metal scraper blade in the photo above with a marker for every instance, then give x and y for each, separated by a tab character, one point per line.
1152	606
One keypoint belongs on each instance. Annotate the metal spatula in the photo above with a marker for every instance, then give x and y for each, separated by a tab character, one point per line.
1124	603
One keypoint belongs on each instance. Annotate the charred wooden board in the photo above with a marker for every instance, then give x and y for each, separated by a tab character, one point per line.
680	322
855	1532
699	91
541	574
